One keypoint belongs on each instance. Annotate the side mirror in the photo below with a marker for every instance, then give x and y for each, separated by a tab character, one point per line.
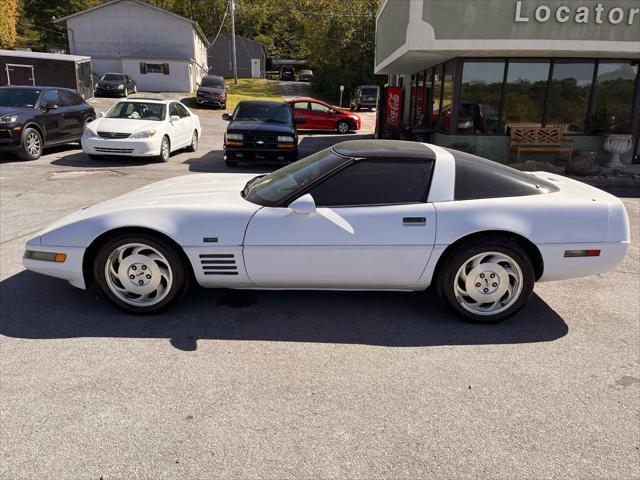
299	120
100	114
303	205
175	118
50	106
226	116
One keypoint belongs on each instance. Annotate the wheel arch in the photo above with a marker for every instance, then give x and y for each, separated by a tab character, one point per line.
39	128
527	245
93	248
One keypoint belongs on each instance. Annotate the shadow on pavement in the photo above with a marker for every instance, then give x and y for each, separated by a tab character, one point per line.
38	307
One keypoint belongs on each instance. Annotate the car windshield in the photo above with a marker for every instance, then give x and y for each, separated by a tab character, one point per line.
212	82
272	189
19	97
370	92
137	111
267	112
112	77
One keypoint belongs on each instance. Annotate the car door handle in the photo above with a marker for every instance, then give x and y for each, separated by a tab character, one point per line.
409	221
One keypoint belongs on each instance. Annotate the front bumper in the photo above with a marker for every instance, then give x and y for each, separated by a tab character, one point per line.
261	154
142	147
69	270
108	91
215	102
10	138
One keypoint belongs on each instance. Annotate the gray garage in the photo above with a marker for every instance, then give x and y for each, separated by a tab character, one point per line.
249	53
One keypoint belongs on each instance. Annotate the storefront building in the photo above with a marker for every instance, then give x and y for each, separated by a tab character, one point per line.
471	70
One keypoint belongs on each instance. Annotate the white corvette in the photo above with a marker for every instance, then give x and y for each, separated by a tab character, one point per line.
369	214
142	127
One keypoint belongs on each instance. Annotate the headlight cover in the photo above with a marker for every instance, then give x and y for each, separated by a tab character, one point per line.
144	134
285	138
120	87
9	119
89	133
234	136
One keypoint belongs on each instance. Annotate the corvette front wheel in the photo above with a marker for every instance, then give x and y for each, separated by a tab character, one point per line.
140	273
486	280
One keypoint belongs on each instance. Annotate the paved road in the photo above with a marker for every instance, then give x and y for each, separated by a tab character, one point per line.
301	384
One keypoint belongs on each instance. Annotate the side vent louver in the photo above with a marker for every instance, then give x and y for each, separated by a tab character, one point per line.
218	264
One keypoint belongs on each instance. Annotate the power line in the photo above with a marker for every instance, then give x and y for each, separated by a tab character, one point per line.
226	10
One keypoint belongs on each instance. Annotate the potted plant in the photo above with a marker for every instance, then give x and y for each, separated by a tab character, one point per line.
616	141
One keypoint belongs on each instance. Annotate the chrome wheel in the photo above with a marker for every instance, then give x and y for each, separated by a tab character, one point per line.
488	283
343	127
33	144
164	149
138	274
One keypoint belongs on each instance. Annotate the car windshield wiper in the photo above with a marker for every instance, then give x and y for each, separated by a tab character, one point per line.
248	185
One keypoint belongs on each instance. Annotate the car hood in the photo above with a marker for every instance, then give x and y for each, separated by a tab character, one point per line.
187	208
256	126
219	91
123	125
15	110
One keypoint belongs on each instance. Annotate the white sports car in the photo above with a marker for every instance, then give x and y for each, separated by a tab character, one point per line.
142	127
368	214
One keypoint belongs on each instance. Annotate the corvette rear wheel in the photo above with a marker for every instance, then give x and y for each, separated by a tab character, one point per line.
486	280
140	273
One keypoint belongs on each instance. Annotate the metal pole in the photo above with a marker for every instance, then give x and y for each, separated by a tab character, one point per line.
340	98
233	41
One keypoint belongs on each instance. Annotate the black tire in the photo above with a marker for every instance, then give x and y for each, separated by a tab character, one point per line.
194	142
342	127
31	144
164	154
181	274
231	162
95	157
445	276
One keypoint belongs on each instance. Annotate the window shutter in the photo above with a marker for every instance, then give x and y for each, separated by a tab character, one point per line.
165	68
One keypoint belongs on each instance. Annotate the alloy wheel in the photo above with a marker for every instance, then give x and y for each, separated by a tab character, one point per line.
33	144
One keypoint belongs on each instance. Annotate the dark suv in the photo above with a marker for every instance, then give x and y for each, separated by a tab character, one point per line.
212	91
365	96
32	118
288	73
261	130
119	84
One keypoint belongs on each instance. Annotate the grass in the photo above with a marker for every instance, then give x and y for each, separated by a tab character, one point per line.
248	89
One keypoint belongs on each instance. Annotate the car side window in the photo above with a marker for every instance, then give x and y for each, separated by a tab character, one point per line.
181	110
376	182
318	107
301	106
51	96
173	110
69	99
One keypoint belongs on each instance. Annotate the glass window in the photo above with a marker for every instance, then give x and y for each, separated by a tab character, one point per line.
51	96
301	106
18	97
447	96
569	95
478	112
265	111
137	111
435	101
173	110
181	110
318	107
69	99
614	97
478	177
375	182
418	119
524	93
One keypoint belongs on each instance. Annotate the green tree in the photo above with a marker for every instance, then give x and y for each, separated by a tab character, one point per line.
8	19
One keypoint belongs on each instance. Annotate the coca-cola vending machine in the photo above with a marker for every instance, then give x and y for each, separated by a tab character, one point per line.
389	113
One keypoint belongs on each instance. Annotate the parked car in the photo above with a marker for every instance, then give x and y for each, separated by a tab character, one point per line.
361	215
212	91
32	118
319	115
119	84
261	130
142	127
287	73
365	96
305	75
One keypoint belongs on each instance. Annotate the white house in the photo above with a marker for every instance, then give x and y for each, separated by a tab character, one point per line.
161	51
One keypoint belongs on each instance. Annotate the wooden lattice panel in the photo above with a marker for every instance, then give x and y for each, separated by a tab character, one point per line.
536	135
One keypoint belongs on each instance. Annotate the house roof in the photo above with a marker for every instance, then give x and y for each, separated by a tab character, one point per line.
49	56
244	39
141	3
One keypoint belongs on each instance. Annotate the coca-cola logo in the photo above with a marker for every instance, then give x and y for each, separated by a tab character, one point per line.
393	105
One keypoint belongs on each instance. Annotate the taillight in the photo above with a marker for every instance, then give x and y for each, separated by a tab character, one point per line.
582	253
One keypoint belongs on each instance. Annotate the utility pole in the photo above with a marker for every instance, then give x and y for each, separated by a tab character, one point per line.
233	41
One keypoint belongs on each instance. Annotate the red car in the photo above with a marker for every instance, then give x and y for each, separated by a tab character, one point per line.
322	116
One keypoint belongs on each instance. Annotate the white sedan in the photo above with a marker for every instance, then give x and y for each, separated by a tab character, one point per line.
142	127
362	215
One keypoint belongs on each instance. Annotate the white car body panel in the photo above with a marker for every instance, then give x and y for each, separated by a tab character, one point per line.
178	131
367	247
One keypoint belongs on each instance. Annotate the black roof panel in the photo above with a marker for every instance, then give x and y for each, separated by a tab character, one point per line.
383	149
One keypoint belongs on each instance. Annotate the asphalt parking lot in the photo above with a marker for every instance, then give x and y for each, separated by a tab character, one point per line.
300	384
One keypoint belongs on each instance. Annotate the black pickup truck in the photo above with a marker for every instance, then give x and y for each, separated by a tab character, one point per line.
261	131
